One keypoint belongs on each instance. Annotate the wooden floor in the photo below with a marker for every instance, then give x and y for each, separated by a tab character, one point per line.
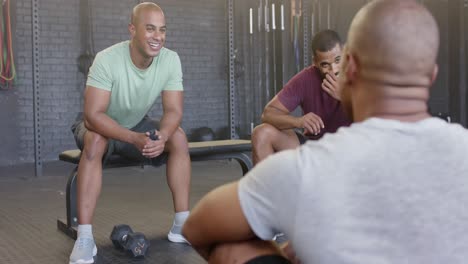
29	208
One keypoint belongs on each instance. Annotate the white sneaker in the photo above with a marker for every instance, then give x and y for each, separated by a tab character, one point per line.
176	238
84	251
278	236
175	235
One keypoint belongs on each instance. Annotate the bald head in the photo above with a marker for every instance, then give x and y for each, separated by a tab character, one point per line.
395	42
143	7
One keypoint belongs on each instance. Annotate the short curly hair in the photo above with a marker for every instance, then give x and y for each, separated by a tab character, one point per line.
325	40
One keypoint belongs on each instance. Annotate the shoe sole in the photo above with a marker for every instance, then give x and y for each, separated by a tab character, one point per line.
86	261
176	238
81	261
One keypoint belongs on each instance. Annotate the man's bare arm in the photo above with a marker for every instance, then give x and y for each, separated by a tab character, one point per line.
96	102
173	108
276	114
173	104
217	218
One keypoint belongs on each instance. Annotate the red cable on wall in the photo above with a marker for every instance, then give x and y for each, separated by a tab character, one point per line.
7	64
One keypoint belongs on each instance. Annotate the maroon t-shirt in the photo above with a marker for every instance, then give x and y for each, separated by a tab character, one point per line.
305	90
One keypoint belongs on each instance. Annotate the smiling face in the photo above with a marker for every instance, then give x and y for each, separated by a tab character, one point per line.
328	62
148	32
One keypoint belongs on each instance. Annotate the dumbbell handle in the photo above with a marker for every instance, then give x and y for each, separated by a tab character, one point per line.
153	135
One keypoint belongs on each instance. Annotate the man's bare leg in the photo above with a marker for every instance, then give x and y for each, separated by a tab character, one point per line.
89	179
89	183
178	169
267	139
178	172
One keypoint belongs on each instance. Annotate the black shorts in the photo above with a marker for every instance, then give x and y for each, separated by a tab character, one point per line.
301	137
124	149
269	259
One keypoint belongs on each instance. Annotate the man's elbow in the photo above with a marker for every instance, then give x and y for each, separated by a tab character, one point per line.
87	123
188	231
88	119
264	118
193	235
268	113
91	119
193	231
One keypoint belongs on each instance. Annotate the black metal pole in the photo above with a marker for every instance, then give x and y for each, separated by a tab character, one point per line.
232	82
36	88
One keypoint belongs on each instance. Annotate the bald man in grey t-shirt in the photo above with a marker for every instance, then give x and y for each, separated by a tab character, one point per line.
391	188
381	191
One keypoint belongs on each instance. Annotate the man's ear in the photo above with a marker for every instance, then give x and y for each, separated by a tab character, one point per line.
350	67
314	62
131	29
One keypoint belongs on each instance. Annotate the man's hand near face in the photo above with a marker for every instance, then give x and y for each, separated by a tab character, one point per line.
330	86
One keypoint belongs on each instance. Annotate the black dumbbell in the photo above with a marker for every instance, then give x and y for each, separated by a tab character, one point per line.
134	243
153	135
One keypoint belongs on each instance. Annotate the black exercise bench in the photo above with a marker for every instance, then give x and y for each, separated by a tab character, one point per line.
209	150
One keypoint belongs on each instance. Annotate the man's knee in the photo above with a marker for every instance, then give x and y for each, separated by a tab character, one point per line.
263	134
178	141
95	145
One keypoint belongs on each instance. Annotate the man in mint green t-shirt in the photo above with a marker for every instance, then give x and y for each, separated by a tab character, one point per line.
123	83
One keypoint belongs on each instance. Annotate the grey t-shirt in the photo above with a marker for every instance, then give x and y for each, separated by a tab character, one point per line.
380	191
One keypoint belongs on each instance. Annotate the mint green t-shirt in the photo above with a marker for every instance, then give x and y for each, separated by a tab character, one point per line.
133	90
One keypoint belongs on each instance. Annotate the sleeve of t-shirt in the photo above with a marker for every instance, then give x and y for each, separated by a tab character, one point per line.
175	82
99	75
268	194
292	93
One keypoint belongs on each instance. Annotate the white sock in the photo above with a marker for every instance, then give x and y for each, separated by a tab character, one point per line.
85	231
179	220
180	217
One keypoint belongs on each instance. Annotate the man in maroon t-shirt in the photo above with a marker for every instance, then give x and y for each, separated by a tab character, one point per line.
315	89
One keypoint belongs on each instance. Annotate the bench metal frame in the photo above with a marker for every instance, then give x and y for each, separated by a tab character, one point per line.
239	150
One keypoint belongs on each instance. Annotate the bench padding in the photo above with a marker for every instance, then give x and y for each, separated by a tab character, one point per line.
72	155
195	149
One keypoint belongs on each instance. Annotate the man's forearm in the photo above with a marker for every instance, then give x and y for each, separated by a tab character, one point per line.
170	121
280	121
105	126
